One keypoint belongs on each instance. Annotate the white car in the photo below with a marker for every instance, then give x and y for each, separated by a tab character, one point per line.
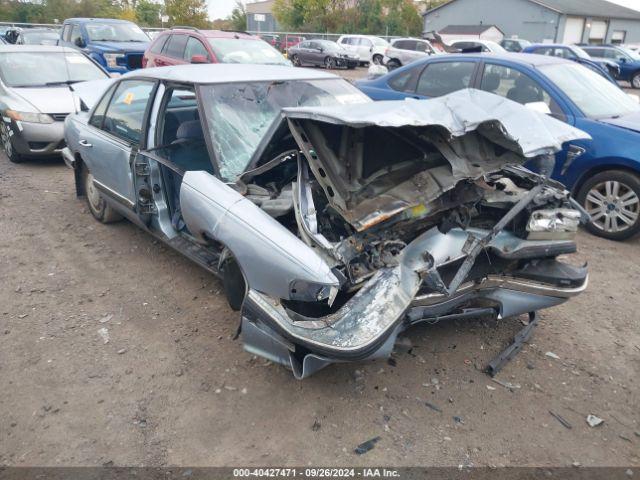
370	49
485	46
405	50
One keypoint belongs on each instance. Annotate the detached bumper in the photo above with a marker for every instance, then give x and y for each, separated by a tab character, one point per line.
38	139
395	298
68	158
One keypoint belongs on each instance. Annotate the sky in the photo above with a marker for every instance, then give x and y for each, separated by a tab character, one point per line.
222	8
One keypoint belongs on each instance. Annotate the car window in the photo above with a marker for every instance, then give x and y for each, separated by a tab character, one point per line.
127	108
364	42
66	30
314	45
594	52
445	77
404	81
75	33
421	47
98	114
175	46
303	44
159	44
517	86
195	47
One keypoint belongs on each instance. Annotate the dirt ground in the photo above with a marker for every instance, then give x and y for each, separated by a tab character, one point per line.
171	387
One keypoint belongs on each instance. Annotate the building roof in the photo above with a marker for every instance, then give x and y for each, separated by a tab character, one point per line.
583	8
264	6
229	72
466	29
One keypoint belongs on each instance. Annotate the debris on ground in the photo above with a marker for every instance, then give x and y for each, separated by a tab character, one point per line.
552	355
508	385
104	334
564	422
122	351
458	419
433	407
316	425
594	421
366	446
106	318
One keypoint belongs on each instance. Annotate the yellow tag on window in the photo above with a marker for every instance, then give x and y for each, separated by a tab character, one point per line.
128	98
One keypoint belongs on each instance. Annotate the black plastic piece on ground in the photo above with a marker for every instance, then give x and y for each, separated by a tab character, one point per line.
512	350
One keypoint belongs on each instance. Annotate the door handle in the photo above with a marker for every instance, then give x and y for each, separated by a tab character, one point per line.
84	143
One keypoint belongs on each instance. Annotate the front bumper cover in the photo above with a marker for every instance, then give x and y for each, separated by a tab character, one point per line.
395	298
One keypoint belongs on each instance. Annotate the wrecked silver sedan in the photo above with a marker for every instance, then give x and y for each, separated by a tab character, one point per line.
334	222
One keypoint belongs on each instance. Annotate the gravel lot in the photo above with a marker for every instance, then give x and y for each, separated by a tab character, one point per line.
171	386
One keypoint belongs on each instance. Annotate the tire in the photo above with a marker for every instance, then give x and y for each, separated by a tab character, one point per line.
612	198
7	145
296	61
329	63
635	80
235	288
377	59
98	206
393	64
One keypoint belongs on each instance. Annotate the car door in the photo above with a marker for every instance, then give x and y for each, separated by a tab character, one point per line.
520	86
444	77
173	51
316	56
113	136
365	49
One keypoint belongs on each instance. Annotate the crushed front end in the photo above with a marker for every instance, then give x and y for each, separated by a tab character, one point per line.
423	212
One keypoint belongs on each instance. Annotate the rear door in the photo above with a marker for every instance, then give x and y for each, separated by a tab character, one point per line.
365	49
113	136
173	51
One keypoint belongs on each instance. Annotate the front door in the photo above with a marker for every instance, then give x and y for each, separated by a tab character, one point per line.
115	133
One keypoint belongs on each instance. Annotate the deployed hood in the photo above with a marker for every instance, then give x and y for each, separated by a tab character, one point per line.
630	121
48	99
376	159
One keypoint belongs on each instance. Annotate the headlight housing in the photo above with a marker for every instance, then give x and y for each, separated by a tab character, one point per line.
112	59
29	117
553	224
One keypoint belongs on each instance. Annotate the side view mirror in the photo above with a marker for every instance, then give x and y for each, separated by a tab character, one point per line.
199	59
321	49
79	42
539	107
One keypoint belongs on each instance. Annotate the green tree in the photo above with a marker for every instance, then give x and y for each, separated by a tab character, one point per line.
238	17
187	12
148	13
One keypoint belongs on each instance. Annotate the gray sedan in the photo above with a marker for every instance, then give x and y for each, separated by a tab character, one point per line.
35	97
334	222
322	53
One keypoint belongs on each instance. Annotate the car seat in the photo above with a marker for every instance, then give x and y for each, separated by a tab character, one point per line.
525	91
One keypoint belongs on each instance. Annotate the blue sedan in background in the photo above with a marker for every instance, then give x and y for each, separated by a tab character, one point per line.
602	173
608	68
628	60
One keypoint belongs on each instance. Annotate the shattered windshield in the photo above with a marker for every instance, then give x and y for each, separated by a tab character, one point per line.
239	114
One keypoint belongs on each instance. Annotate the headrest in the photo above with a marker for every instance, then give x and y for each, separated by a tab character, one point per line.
491	82
190	130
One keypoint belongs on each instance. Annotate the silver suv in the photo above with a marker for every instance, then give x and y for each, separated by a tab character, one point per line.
405	50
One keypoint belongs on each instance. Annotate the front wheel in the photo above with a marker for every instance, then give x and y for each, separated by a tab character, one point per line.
612	198
7	144
635	80
377	59
329	63
393	64
98	206
295	60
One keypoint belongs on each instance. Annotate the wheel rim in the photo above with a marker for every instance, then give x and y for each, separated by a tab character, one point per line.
296	61
613	206
636	81
93	195
6	140
328	62
376	60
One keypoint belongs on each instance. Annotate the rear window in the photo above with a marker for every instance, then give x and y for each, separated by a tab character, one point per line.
175	46
244	50
159	44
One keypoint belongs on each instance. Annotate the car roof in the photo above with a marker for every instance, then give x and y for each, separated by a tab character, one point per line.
36	48
527	59
554	45
214	33
101	20
228	73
